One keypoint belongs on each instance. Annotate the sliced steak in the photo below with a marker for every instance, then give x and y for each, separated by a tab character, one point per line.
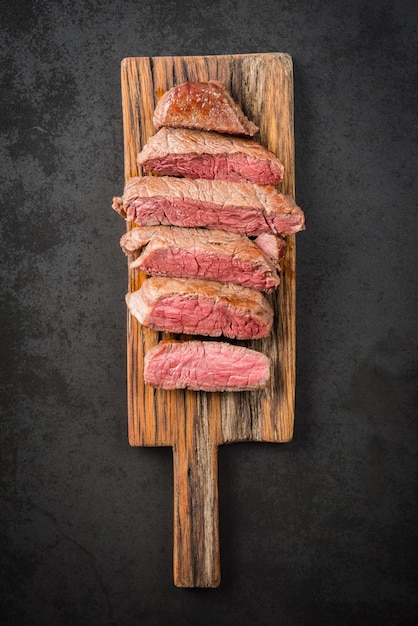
201	307
216	204
205	366
201	154
200	253
202	105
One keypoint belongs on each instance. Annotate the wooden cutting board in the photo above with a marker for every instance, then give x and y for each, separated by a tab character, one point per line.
196	423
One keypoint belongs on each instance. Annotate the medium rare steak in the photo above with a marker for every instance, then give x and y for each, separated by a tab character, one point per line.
201	307
200	154
216	204
205	366
200	253
202	105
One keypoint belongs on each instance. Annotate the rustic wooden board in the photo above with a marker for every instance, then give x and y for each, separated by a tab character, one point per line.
194	423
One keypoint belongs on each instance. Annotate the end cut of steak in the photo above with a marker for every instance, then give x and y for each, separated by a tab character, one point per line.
202	105
205	366
216	204
200	253
201	154
201	307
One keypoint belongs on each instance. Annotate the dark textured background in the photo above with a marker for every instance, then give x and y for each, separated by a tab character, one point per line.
319	531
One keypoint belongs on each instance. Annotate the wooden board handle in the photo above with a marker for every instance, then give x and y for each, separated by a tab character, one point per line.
196	557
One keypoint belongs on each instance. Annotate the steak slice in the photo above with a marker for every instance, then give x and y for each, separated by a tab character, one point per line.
273	246
216	204
205	366
201	154
202	105
201	307
200	253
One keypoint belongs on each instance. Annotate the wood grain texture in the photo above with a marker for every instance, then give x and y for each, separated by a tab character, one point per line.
195	423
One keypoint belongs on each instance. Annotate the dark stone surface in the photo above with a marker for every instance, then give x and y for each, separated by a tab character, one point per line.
320	531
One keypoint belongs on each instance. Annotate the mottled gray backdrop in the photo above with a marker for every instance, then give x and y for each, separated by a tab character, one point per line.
321	531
